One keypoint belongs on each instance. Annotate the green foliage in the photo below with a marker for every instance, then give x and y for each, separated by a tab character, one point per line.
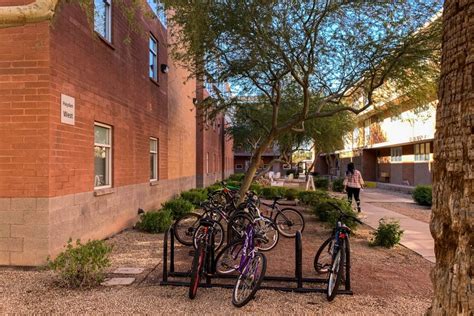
321	183
233	184
82	265
155	221
291	194
195	196
272	192
178	207
327	213
423	195
338	185
257	188
213	188
312	198
388	234
239	177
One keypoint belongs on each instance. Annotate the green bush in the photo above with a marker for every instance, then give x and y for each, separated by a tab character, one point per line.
238	177
321	183
155	221
233	184
388	234
257	188
195	196
290	194
178	207
82	265
272	192
312	197
423	195
327	213
338	185
213	187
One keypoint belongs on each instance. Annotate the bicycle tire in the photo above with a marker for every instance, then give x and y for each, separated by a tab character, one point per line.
236	226
218	235
228	259
321	262
255	280
184	228
196	269
337	269
269	229
284	223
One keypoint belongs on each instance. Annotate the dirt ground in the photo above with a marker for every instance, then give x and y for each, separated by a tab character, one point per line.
384	281
415	211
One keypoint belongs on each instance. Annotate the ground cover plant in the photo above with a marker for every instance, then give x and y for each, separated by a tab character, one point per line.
388	234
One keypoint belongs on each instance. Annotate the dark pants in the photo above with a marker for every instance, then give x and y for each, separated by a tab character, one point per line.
353	192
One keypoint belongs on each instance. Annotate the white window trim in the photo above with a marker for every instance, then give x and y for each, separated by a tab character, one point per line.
109	157
155	61
108	20
155	160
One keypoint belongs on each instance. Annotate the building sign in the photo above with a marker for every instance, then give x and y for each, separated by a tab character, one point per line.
68	105
418	138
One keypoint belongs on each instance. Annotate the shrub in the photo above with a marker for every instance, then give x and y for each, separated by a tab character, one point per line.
155	221
238	177
82	265
178	207
195	196
338	185
388	234
233	184
327	213
272	192
312	197
321	183
213	187
423	195
257	188
291	194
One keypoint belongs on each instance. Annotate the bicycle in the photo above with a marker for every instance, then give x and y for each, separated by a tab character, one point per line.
334	254
288	220
202	255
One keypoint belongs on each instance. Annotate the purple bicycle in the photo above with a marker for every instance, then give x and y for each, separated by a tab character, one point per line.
242	256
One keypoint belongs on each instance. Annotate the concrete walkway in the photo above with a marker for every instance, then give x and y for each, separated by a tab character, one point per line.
416	236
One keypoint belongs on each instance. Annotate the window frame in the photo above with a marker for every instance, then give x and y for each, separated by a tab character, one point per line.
155	53
108	21
422	152
155	159
396	154
157	8
108	161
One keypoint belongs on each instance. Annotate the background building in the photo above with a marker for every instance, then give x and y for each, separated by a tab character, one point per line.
95	122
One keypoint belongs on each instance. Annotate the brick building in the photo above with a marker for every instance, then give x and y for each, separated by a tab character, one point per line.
95	122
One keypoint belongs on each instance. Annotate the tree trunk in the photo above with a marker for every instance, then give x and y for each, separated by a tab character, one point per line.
38	11
453	171
252	170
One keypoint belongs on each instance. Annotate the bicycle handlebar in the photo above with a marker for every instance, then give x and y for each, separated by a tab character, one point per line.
344	214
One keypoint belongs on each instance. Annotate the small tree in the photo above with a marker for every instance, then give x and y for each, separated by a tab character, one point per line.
336	53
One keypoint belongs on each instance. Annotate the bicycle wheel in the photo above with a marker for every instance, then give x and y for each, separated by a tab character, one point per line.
336	271
218	235
185	227
237	225
323	257
199	260
249	281
228	260
289	221
266	226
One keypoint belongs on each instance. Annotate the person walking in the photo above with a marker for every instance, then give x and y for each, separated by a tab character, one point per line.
353	182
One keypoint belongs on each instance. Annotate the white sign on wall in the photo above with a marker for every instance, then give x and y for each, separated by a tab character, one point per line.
68	105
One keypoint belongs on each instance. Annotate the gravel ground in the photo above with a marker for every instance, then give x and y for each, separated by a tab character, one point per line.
384	282
415	211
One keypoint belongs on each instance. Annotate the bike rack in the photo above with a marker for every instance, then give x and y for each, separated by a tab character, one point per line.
298	280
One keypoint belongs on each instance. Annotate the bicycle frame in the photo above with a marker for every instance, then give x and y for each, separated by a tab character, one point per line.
248	250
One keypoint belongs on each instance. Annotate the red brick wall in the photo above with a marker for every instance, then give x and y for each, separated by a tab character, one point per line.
24	110
111	85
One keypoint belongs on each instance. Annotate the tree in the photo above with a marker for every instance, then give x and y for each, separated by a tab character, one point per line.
331	50
453	174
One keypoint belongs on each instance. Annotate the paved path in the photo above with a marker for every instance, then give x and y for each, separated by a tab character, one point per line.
416	236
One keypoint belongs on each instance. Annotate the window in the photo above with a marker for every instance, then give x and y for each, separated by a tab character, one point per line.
422	152
103	18
238	166
159	10
102	156
153	58
396	154
153	159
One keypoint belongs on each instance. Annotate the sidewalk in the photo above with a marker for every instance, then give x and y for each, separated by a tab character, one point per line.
416	236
